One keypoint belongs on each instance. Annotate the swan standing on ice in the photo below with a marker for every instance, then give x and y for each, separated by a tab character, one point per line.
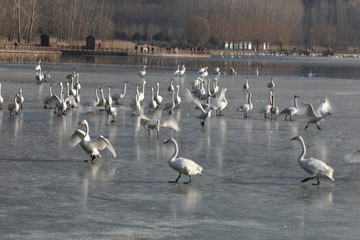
93	102
182	165
232	71
316	117
155	124
245	108
117	96
267	108
102	100
169	106
91	147
177	99
157	97
315	167
274	110
142	93
48	99
291	111
20	98
171	87
205	112
14	107
220	103
152	102
177	71
142	73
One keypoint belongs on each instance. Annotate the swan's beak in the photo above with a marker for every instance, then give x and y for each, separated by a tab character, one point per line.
81	122
166	141
293	138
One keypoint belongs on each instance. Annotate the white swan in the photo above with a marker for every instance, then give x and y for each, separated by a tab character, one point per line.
152	103
109	98
177	99
157	97
205	73
182	165
246	85
215	88
1	98
182	71
38	67
232	71
142	93
61	103
205	112
271	84
316	117
267	108
135	105
20	98
169	106
274	110
14	107
177	71
245	108
217	71
113	111
291	111
315	167
142	73
102	100
155	124
91	147
48	99
220	103
257	71
170	88
117	96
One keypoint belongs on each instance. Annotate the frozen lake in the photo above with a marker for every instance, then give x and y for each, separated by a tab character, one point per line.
251	185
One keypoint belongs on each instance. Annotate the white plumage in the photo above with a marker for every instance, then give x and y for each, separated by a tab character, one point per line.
91	147
182	165
315	167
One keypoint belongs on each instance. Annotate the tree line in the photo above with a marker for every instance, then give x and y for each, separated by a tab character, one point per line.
207	23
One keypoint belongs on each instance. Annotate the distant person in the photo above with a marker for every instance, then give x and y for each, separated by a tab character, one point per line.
136	48
141	49
99	45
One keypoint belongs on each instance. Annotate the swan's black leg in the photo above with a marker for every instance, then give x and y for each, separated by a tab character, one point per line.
318	181
176	179
189	180
306	126
307	179
318	126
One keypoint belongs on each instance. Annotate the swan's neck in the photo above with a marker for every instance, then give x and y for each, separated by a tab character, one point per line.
87	129
295	102
124	88
109	93
270	97
157	90
50	90
152	93
302	155
173	157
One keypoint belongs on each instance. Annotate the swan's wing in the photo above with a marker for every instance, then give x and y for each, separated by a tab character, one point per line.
71	100
101	142
77	137
196	101
169	121
144	120
324	107
316	165
307	110
353	157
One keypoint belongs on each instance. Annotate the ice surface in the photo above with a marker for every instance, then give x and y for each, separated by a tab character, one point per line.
251	185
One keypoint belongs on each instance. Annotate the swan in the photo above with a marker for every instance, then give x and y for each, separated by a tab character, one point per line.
257	71
14	107
117	96
91	147
274	110
315	117
220	103
291	111
246	85
245	108
152	102
267	108
38	67
39	77
102	100
205	73
215	89
169	106
142	93
62	103
182	165
177	99
93	102
48	99
157	97
177	71
135	105
205	112
217	71
109	98
71	75
20	98
111	111
315	167
232	71
182	71
1	98
171	86
271	84
77	84
155	124
142	73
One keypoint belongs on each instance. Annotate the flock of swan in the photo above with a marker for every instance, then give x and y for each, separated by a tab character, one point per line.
207	95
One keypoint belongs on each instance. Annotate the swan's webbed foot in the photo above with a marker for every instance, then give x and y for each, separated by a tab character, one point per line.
202	123
189	180
92	157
